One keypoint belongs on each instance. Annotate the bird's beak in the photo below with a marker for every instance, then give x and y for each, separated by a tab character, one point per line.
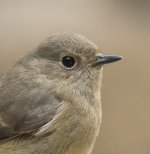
105	59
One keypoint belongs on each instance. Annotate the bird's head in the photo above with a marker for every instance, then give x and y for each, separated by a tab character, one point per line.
69	59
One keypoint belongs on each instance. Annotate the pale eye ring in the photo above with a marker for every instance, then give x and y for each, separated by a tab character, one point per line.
68	62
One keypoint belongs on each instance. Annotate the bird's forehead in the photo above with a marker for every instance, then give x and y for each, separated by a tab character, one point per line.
62	44
75	43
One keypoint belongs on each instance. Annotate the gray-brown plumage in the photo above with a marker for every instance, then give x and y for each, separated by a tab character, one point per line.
50	99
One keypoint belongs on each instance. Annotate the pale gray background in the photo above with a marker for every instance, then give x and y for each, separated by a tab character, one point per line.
118	27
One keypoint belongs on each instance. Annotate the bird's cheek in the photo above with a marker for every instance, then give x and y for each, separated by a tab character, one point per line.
63	76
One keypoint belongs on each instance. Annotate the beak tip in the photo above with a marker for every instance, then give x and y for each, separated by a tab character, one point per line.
117	58
110	58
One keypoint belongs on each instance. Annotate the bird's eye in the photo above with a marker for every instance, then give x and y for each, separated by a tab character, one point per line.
68	62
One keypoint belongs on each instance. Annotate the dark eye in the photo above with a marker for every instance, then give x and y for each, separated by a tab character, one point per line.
68	62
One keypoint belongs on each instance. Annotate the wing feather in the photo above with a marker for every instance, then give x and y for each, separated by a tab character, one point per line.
24	106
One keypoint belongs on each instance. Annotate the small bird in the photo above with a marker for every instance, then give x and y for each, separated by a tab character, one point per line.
50	100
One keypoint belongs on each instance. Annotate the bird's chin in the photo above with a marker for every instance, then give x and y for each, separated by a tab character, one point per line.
98	67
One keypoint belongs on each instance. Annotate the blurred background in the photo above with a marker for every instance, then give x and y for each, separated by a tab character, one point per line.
118	27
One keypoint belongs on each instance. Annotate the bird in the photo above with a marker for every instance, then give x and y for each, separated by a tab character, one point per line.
50	99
